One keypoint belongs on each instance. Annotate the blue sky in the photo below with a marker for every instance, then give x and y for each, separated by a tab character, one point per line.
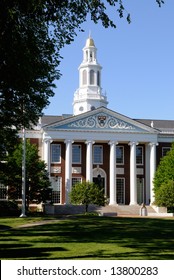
137	61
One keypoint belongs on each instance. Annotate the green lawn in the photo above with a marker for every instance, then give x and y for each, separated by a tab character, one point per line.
88	237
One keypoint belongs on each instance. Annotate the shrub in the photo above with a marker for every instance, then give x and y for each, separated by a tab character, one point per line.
86	193
9	208
165	195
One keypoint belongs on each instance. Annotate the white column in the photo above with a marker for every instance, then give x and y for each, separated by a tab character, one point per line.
133	175
68	169
46	156
147	175
152	169
89	164
112	173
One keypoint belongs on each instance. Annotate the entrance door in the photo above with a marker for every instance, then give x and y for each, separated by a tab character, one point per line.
100	181
140	190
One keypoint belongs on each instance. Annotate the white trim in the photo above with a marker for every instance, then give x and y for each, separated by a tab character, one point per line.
101	148
80	148
55	144
120	146
121	178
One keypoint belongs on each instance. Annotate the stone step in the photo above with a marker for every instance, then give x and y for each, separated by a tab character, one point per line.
133	210
109	210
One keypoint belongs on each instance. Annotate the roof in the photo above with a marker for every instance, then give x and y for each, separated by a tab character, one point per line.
90	42
48	119
162	125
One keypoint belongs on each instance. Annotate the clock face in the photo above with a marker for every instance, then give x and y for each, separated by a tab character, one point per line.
81	108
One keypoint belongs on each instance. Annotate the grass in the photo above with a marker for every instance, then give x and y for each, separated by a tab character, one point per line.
85	237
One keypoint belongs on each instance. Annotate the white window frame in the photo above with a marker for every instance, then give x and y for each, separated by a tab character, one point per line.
118	163
56	185
80	149
3	192
142	158
78	180
53	145
123	179
101	155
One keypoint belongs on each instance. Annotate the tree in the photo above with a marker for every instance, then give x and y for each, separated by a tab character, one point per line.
164	196
37	183
164	180
165	170
32	34
86	193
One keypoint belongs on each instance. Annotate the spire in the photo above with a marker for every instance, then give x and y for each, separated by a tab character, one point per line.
90	41
89	95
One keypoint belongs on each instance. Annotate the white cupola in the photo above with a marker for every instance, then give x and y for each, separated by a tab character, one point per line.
89	95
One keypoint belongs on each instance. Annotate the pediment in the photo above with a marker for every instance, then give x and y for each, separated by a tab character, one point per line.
101	119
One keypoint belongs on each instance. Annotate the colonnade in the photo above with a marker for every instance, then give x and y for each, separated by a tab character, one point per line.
150	154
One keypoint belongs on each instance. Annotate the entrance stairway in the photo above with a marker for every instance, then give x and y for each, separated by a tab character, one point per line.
124	210
109	210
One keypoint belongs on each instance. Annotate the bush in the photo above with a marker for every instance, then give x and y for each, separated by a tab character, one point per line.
86	193
9	208
165	195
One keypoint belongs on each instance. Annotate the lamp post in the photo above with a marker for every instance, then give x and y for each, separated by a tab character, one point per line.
23	209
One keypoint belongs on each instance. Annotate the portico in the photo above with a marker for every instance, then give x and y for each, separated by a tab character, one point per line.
121	154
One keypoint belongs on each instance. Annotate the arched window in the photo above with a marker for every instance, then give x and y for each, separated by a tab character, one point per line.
98	78
84	77
86	55
91	78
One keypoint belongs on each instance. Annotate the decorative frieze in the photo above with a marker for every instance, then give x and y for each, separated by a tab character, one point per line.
101	121
76	170
120	171
140	171
56	169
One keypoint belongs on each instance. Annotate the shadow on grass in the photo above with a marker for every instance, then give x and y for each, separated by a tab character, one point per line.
4	227
138	239
25	251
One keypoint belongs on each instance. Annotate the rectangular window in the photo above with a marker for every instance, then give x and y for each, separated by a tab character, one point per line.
139	155
120	183
165	150
76	180
76	153
119	154
56	184
56	153
3	192
98	154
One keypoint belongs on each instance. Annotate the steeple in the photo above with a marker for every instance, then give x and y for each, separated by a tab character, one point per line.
89	94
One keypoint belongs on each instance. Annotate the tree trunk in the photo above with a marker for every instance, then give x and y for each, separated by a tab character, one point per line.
86	208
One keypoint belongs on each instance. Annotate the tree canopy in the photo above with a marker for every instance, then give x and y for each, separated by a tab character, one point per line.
86	193
164	180
37	179
164	196
32	34
165	169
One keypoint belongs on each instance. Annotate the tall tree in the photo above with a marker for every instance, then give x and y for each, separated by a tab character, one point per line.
31	36
37	180
165	170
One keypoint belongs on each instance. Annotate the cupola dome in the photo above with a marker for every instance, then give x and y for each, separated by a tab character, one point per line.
90	42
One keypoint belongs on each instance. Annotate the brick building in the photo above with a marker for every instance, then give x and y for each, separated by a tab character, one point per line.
97	144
